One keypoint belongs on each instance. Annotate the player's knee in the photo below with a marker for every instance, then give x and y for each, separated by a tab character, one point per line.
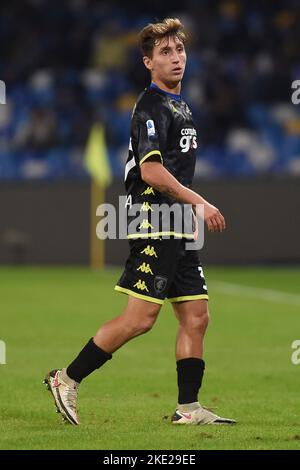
146	325
148	318
142	321
199	318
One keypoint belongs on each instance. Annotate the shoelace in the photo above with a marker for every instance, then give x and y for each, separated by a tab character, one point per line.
71	397
212	410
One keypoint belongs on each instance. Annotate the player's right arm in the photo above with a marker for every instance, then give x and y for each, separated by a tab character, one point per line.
157	176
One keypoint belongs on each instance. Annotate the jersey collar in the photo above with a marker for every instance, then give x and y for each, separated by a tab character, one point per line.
172	95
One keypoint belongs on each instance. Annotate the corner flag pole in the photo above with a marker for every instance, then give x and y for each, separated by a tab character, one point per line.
97	246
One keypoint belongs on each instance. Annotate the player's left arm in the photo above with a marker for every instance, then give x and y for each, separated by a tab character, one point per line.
157	176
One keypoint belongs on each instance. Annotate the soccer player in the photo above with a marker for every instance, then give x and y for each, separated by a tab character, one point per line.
159	170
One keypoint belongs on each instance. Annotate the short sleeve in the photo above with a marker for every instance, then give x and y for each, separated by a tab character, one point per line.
152	128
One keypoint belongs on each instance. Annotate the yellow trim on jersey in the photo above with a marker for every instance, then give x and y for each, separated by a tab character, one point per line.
153	152
161	234
145	224
149	190
146	206
138	296
189	297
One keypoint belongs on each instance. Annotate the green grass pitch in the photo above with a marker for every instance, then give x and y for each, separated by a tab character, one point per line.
47	315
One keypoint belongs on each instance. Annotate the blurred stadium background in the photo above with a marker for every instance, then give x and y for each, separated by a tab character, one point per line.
69	65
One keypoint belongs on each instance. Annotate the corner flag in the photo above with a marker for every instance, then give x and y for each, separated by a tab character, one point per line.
96	158
96	162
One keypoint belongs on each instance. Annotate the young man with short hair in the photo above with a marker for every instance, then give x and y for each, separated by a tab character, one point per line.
159	170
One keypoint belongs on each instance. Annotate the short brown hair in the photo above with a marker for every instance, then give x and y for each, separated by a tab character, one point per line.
153	33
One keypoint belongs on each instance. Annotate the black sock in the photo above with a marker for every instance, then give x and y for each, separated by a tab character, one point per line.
189	378
89	359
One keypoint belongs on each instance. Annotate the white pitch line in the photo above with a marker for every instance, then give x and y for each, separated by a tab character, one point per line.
255	292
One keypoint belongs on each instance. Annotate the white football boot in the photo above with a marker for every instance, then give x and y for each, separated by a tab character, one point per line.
64	391
197	414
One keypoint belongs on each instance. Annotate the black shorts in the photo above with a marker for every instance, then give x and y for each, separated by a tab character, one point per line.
162	268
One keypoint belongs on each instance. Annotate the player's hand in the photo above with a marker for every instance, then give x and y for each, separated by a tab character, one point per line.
213	218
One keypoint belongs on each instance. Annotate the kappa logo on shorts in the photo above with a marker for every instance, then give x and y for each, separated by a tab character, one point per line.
160	283
149	251
141	285
145	268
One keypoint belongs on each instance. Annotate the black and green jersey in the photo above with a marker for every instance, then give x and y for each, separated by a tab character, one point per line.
161	126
